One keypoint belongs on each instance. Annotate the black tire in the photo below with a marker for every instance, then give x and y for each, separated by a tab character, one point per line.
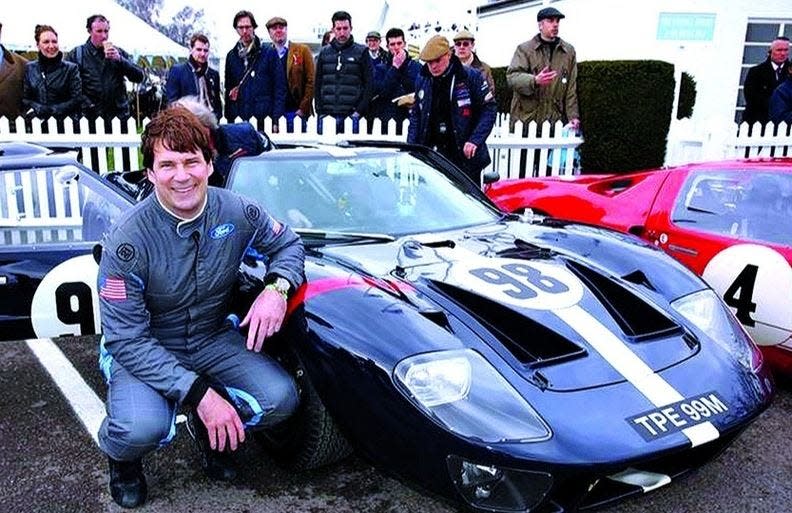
308	439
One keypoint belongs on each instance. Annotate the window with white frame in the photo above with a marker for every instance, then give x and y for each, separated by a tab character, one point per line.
758	36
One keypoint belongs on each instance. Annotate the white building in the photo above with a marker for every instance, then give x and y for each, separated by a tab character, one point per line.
716	41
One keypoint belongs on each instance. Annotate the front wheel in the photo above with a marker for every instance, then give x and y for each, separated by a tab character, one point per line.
308	439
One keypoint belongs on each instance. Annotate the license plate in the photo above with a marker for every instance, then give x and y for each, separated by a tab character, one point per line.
675	417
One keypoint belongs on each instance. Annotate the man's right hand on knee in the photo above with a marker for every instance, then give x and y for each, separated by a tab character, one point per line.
221	420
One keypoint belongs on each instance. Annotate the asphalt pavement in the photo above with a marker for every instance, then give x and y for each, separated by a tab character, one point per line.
49	462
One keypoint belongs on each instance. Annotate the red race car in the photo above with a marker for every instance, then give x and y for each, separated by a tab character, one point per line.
730	222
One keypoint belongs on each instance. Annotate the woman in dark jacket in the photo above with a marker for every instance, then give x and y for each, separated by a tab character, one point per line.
52	86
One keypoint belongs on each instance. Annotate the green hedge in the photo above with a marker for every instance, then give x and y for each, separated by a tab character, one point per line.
687	96
503	93
625	111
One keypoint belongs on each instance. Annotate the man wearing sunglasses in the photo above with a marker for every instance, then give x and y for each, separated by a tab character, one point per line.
465	49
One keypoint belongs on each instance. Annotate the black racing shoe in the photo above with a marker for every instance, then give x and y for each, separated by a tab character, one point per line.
215	464
127	483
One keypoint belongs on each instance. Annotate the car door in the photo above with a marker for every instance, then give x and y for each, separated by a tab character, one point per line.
51	217
731	226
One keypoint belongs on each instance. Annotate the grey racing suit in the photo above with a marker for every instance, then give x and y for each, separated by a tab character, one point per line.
165	286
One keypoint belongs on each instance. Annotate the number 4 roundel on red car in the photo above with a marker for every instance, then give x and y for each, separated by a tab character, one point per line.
756	282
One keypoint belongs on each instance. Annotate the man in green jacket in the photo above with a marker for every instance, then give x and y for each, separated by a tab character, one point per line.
543	75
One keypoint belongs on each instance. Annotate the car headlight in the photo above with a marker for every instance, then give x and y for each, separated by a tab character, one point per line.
468	396
705	310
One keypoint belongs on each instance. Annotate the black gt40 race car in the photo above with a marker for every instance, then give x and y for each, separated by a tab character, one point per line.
504	362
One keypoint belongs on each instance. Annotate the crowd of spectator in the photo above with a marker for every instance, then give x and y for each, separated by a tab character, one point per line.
273	78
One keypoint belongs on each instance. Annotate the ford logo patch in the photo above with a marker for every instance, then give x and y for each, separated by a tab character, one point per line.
224	230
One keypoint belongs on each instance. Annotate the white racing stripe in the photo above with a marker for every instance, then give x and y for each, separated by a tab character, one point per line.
85	403
657	390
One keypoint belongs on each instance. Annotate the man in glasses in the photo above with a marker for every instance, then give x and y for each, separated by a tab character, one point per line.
253	82
377	54
465	49
454	109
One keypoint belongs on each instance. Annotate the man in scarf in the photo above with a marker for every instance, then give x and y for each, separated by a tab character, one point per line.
252	78
195	77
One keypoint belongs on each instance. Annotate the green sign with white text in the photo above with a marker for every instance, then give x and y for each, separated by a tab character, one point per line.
678	26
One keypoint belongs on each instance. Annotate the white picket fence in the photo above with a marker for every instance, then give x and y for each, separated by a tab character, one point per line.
514	155
551	155
689	141
52	215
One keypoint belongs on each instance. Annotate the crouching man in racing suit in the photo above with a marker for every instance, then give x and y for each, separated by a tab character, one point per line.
166	275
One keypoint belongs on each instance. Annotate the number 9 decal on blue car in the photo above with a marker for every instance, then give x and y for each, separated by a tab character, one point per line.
66	302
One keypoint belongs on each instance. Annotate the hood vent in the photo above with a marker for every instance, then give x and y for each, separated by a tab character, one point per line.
637	318
525	251
529	341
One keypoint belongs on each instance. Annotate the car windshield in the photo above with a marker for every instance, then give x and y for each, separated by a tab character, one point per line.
388	192
743	205
63	206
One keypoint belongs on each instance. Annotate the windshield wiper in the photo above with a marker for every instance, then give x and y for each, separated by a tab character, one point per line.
309	233
700	210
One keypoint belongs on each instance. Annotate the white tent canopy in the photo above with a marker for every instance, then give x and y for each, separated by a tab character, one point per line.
68	17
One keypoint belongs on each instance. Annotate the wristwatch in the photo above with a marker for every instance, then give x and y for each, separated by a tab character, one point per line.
280	285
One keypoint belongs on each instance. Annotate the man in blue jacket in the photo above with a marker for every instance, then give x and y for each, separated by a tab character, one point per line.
394	78
195	77
166	276
454	109
252	78
781	101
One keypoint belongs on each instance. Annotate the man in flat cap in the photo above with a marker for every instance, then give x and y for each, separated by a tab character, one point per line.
297	67
454	109
377	53
543	75
465	49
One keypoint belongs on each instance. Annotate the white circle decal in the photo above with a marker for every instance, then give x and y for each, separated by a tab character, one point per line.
527	284
756	282
66	302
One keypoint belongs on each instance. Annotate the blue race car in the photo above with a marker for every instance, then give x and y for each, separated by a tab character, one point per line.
53	212
505	362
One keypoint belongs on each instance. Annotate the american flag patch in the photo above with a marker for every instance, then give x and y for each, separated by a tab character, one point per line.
113	289
276	227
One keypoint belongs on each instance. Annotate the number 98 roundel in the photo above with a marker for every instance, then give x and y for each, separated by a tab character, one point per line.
756	282
533	285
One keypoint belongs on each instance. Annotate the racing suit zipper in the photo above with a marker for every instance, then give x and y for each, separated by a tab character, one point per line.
196	237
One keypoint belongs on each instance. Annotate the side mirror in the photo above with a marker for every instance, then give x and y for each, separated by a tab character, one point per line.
490	176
